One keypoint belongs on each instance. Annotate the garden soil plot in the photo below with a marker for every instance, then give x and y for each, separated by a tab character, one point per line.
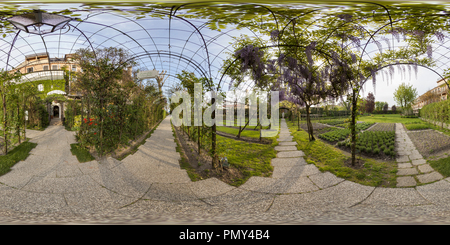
430	143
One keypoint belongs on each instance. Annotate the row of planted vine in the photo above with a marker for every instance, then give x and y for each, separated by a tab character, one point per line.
21	108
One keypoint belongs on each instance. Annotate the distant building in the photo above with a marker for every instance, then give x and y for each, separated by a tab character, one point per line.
436	94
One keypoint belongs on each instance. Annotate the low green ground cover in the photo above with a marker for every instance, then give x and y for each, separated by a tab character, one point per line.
378	143
250	159
342	134
81	153
441	165
417	126
333	122
388	118
235	131
20	153
335	135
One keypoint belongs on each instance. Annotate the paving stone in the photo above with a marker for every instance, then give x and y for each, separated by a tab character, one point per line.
279	186
405	165
407	171
406	181
286	148
284	135
429	177
209	187
418	161
342	195
290	154
242	201
415	157
425	168
285	143
325	180
295	171
288	162
402	159
437	193
96	201
170	192
395	197
285	138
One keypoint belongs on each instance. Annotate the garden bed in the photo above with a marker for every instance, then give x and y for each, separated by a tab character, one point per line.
245	159
379	145
318	128
430	143
383	127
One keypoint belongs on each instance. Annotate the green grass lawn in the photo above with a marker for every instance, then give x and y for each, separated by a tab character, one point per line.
235	131
442	166
388	118
329	158
417	126
20	153
251	159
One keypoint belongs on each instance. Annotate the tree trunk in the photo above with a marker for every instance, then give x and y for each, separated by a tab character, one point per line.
18	120
309	125
5	136
215	159
198	139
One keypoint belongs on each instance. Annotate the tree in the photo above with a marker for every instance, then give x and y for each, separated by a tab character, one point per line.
362	106
405	95
394	108
385	107
103	82
370	103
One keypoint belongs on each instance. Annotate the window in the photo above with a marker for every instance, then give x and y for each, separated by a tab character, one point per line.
41	87
74	68
45	68
30	69
54	67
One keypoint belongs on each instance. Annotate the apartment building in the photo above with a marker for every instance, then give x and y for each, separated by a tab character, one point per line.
436	94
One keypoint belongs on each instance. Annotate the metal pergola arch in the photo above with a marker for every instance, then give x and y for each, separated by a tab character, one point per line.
208	40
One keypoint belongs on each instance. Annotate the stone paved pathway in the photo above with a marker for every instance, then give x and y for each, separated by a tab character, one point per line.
412	167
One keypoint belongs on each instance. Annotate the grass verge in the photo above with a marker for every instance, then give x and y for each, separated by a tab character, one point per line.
19	153
81	153
234	131
441	165
251	159
329	158
134	148
417	126
184	162
389	118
